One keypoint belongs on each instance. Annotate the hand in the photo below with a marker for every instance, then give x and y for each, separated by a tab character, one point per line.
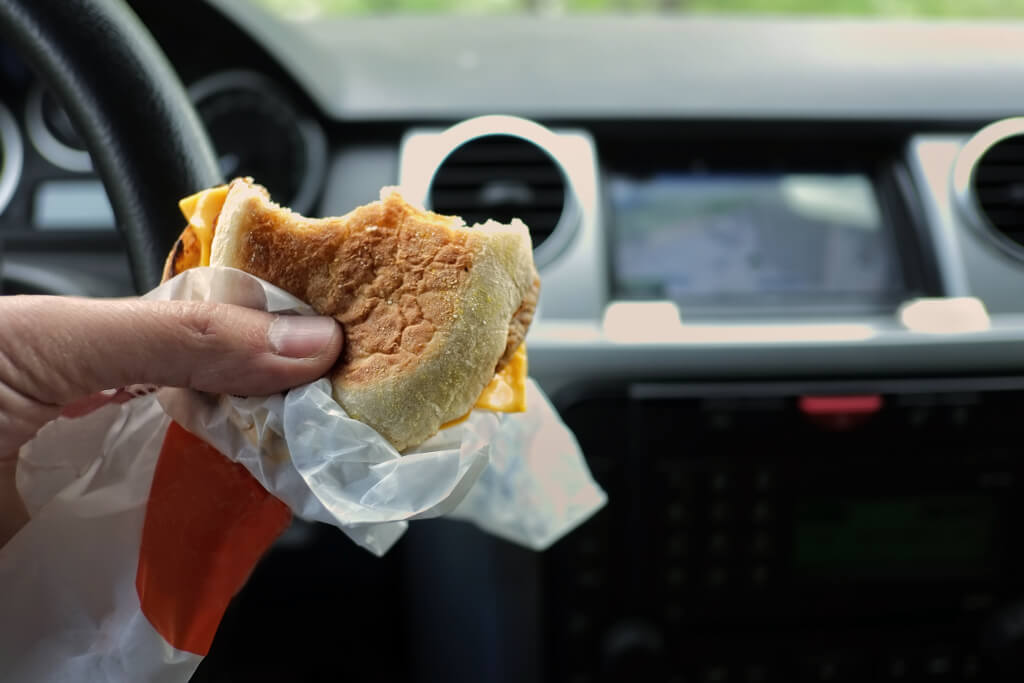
55	351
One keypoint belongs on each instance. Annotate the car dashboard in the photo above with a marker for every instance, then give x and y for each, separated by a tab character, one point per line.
781	261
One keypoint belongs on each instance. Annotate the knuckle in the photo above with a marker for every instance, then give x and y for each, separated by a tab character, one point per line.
217	340
198	319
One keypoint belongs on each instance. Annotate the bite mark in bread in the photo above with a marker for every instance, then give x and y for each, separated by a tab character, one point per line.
431	309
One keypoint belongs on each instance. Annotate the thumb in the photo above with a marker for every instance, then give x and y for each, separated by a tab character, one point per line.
54	350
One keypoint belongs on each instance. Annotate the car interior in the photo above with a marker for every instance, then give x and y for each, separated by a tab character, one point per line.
782	310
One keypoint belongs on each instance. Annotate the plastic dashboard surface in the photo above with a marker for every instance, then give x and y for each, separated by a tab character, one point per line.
678	67
907	82
976	324
927	85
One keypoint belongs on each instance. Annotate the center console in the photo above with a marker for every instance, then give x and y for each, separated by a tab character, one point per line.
757	534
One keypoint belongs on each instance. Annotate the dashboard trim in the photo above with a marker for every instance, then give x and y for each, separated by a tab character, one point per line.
873	347
771	389
52	149
43	280
13	159
661	66
927	160
418	173
963	181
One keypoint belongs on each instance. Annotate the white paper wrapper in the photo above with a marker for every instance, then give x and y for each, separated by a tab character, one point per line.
71	608
67	580
519	476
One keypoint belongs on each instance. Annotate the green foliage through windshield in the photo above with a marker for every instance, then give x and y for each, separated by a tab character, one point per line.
304	9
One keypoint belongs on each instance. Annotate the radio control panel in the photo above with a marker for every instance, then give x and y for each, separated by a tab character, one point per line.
778	535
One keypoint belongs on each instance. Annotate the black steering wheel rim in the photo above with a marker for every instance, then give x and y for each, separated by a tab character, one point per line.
126	101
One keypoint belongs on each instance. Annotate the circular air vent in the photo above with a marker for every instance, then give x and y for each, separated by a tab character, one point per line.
989	180
501	177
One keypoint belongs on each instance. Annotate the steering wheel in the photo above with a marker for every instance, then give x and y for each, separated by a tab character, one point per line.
145	138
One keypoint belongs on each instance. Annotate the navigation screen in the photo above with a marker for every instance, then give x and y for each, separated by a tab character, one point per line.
776	236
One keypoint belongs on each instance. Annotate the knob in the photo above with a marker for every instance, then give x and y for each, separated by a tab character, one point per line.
634	650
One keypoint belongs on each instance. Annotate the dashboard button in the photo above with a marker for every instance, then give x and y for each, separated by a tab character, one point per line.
759	575
971	668
721	512
673	613
589	545
763	513
718	544
675	512
959	416
715	674
834	667
577	624
675	546
896	668
761	545
721	422
590	579
675	577
634	650
717	577
938	667
755	674
675	478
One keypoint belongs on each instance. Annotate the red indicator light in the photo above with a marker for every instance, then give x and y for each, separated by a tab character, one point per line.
840	413
819	406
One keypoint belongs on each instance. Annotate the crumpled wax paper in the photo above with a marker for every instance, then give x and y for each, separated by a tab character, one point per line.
520	476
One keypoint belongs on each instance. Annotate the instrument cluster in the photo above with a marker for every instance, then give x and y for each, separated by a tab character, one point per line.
49	190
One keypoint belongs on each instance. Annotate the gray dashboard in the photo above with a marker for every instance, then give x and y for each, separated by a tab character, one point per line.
579	339
647	67
939	81
741	72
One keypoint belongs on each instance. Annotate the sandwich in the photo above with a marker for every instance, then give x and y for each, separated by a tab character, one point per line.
435	312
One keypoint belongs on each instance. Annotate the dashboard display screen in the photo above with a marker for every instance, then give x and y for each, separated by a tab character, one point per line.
746	237
917	536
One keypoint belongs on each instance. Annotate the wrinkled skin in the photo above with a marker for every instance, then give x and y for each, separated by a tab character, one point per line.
57	352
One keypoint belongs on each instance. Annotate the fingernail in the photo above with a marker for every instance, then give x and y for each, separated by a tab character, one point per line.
300	336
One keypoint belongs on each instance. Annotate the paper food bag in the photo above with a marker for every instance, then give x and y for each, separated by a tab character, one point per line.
148	515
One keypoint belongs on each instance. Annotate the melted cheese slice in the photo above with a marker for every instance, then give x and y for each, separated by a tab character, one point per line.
201	211
506	392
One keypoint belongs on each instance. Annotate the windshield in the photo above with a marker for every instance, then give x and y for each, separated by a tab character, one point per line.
308	9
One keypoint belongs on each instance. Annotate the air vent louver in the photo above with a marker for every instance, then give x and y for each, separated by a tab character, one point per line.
501	177
998	186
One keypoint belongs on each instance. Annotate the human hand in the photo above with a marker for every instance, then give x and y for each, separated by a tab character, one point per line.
56	351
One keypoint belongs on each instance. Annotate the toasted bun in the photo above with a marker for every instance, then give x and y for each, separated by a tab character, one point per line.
430	307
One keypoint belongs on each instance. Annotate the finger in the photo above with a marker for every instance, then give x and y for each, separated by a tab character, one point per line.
87	404
54	350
